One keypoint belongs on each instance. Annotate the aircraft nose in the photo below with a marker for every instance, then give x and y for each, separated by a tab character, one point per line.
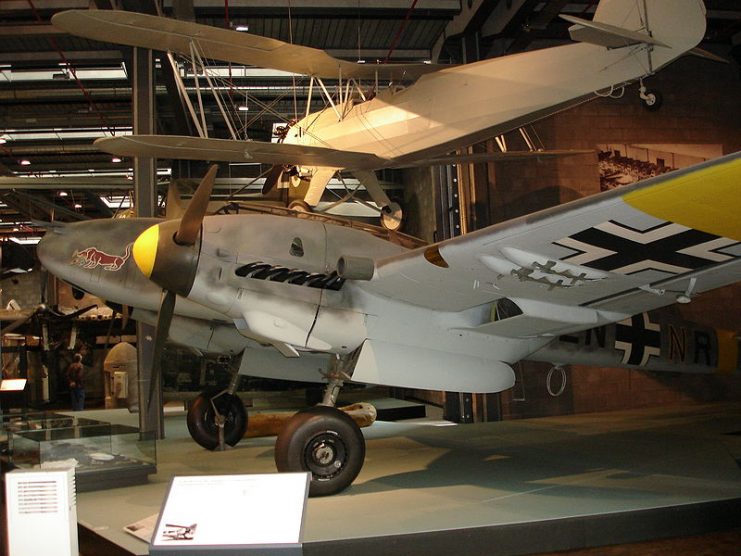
170	265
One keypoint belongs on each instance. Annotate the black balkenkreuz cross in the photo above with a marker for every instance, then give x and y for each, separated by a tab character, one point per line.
638	338
668	247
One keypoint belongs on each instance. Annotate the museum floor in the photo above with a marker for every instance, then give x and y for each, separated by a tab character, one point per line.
515	487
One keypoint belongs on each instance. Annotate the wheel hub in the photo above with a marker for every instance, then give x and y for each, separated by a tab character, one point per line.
325	455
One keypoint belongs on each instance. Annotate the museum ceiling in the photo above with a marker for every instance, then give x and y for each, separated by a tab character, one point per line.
59	92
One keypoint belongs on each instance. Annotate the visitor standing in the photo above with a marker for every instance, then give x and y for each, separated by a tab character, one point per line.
75	378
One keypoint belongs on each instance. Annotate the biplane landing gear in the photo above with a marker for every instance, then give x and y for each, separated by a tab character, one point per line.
323	441
391	216
650	98
217	417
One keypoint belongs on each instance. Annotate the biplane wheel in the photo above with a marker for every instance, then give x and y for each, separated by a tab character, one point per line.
202	418
326	442
652	100
391	216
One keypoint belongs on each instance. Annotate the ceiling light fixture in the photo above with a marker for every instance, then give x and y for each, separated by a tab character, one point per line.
115	159
242	28
25	162
62	193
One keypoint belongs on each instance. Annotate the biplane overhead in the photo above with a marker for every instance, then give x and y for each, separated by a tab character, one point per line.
426	111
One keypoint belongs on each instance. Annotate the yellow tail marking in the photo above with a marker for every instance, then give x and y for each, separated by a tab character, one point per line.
708	200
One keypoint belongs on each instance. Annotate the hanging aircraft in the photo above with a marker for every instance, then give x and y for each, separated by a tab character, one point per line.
444	108
575	283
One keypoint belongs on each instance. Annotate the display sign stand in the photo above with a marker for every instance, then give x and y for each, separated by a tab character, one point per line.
233	514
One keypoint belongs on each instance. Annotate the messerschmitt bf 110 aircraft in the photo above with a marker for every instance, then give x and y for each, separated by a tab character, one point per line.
441	108
574	283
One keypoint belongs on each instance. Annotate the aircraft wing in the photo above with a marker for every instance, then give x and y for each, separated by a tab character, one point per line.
476	157
228	150
584	263
161	33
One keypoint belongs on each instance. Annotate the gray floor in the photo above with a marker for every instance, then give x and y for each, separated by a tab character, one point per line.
426	479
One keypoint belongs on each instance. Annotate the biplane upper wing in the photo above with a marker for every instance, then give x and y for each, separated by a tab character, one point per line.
183	37
228	150
588	262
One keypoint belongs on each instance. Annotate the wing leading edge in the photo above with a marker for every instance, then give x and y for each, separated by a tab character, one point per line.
585	263
161	33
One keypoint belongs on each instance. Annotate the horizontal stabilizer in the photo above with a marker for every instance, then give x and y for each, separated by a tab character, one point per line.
603	34
701	53
228	150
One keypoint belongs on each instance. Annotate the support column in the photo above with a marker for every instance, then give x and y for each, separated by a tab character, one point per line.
151	417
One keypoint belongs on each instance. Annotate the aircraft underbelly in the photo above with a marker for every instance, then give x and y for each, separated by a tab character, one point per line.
494	95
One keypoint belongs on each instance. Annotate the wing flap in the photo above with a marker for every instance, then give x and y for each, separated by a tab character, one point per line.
161	33
227	150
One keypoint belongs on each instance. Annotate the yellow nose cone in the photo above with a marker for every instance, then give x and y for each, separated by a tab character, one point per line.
145	249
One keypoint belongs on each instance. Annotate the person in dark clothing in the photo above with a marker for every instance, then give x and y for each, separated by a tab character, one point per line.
75	378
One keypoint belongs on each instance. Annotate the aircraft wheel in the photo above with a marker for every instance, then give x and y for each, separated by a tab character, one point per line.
202	419
326	442
391	216
652	100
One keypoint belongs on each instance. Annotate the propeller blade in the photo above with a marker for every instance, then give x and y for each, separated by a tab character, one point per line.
190	224
17	323
125	315
44	282
272	178
164	318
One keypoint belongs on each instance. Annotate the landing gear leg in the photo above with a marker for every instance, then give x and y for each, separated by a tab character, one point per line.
218	417
323	441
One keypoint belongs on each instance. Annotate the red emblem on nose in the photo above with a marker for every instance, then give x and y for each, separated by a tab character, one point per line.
92	257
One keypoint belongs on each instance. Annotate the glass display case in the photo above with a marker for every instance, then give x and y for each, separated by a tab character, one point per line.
104	455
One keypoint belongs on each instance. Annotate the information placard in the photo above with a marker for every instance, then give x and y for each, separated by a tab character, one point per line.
233	510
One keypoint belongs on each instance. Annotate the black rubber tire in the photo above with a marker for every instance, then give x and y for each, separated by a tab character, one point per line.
202	426
327	432
654	102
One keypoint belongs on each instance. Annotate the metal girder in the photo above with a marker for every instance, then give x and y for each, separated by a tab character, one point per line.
52	56
539	22
100	206
36	207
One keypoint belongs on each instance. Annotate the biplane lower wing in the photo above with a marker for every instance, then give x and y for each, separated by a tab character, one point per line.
227	150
